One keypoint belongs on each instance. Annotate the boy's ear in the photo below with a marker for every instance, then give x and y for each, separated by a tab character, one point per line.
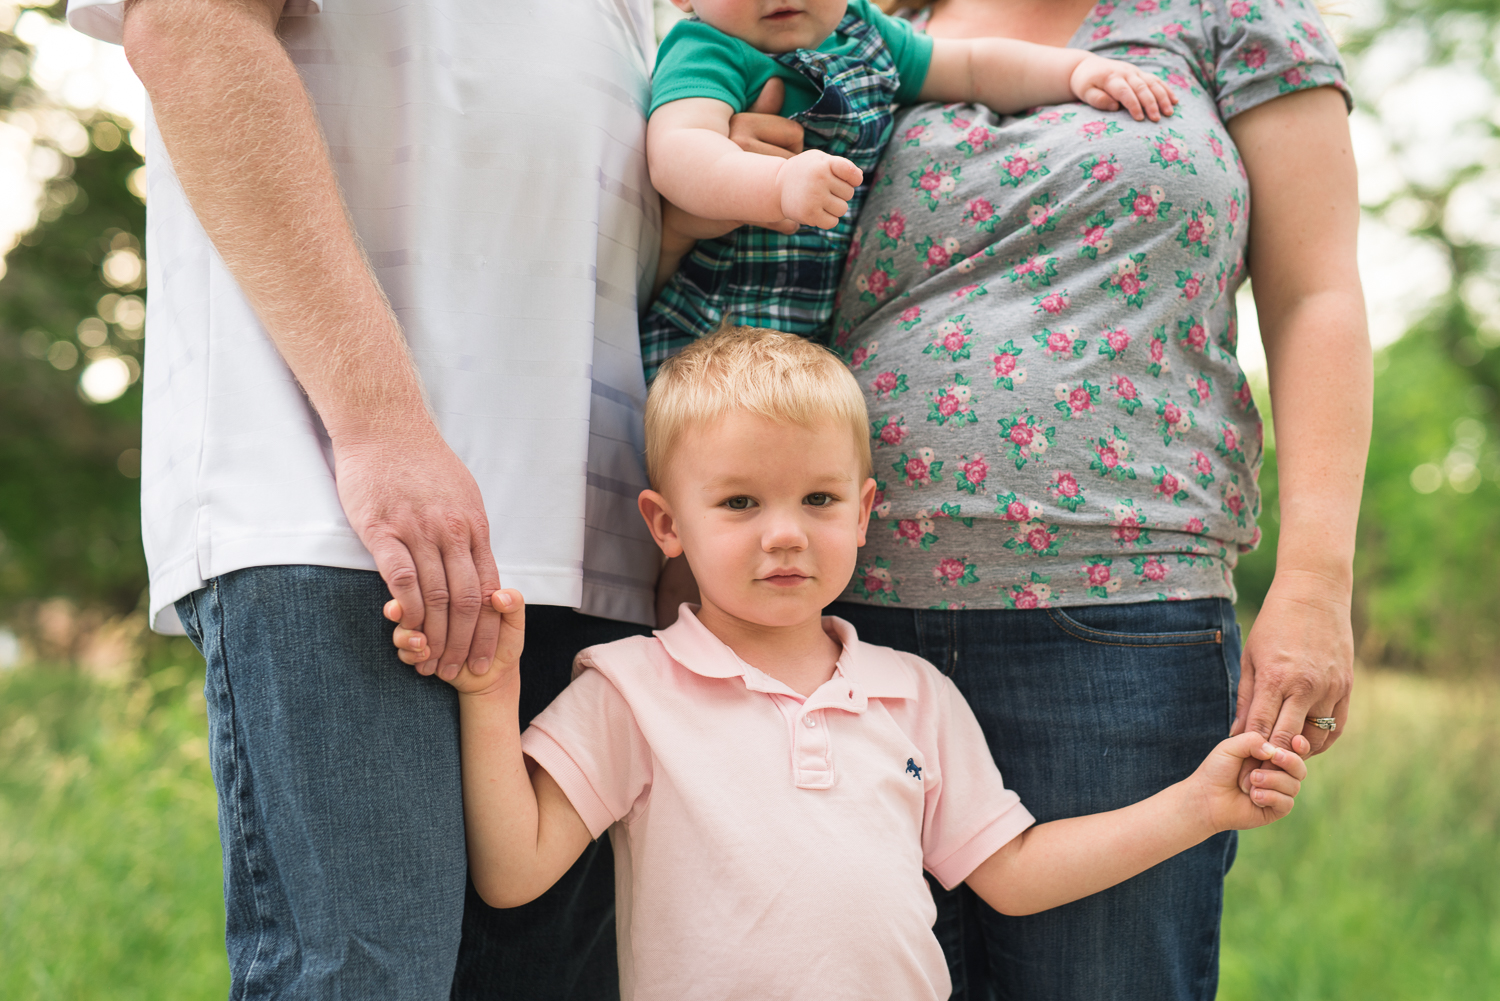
866	502
661	522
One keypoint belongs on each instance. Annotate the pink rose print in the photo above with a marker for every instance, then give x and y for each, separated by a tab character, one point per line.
1204	468
1110	455
1126	395
1230	446
863	355
1168	153
889	385
1061	343
1077	400
1191	283
1293	78
1008	372
919	532
1243	395
1065	489
914	135
892	431
952	572
875	581
1192	334
1173	421
1034	594
920	469
1025	437
891	225
980	213
1150	567
1102	32
1149	205
909	317
1233	503
1095	236
952	338
1194	525
1114	342
1036	269
1127	528
1200	388
1036	539
1157	350
971	473
1147	6
1051	303
1098	574
876	285
1168	485
953	402
1310	30
1100	171
1253	58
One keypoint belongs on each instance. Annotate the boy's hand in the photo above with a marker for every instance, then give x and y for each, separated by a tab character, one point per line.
1108	84
1272	791
411	646
815	188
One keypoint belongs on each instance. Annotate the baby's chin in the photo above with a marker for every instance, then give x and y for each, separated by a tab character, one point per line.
776	605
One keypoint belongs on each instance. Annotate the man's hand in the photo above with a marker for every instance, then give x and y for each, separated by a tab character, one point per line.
1272	790
1298	664
418	511
1108	84
815	188
411	646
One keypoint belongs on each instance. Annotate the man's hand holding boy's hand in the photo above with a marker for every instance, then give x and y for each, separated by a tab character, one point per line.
1273	790
411	646
1109	84
815	188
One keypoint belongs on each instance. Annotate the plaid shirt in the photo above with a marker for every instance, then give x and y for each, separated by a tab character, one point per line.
761	278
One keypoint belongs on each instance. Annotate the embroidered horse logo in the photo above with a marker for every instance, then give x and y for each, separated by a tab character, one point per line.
914	768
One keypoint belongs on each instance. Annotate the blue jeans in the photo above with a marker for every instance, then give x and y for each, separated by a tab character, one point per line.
1087	708
340	810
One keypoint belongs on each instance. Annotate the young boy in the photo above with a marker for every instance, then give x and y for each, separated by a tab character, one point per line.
845	66
773	787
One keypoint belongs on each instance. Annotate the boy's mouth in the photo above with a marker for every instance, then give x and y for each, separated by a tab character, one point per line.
783	14
785	578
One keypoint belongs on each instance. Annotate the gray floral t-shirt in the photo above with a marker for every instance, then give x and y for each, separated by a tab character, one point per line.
1041	311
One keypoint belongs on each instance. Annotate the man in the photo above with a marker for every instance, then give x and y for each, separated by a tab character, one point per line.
394	260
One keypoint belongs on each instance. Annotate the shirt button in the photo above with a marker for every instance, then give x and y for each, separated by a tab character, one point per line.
809	722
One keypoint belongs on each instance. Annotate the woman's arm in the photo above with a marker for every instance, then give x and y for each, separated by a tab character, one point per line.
1299	658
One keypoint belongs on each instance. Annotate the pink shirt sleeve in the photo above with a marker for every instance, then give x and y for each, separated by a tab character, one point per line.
969	814
588	741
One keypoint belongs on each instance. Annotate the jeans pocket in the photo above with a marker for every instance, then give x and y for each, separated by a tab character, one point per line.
1142	625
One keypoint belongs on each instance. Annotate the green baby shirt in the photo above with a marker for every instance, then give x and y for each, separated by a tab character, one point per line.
696	60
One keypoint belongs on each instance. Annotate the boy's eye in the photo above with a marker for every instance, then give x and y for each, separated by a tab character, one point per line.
818	500
739	503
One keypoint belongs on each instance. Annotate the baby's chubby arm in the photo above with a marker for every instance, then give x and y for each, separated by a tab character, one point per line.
522	831
1053	864
1007	76
696	167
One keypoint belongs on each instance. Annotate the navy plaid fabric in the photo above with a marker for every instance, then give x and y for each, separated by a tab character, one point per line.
761	278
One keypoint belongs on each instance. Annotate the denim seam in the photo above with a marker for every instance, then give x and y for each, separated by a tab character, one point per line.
240	766
1082	632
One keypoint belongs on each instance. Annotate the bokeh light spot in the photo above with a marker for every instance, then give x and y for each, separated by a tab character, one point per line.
104	380
1426	478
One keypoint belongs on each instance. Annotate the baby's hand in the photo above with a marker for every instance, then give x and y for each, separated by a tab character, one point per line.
1272	790
411	645
1107	84
815	188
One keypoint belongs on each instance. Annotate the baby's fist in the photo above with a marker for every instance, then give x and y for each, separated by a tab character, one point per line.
815	188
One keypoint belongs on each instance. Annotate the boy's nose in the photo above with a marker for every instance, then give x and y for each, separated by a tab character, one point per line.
784	531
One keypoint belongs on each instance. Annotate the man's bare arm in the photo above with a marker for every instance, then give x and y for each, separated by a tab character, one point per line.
246	145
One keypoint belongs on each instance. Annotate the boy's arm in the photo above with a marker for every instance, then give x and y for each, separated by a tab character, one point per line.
696	166
1053	864
522	831
1007	75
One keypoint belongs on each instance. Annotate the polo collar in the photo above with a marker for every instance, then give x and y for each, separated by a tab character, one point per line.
876	672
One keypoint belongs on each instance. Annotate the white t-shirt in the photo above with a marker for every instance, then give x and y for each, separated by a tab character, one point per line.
492	154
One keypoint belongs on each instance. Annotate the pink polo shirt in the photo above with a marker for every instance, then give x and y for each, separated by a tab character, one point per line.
769	845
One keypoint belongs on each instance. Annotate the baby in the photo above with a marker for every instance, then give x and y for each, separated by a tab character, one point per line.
845	67
773	787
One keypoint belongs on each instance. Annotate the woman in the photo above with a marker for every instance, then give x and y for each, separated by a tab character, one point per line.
1042	311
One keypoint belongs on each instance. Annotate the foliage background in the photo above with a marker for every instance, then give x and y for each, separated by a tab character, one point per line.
1385	883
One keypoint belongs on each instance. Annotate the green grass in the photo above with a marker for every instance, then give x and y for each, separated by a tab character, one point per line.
1383	884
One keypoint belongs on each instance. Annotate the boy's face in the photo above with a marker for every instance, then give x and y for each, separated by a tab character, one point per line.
771	25
770	515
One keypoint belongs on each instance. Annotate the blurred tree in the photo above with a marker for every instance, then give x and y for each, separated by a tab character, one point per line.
70	299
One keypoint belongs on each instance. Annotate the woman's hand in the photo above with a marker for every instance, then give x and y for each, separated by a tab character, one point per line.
1298	662
411	645
762	129
1109	84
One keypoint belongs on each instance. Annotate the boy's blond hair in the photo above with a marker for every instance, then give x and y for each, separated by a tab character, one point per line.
782	377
